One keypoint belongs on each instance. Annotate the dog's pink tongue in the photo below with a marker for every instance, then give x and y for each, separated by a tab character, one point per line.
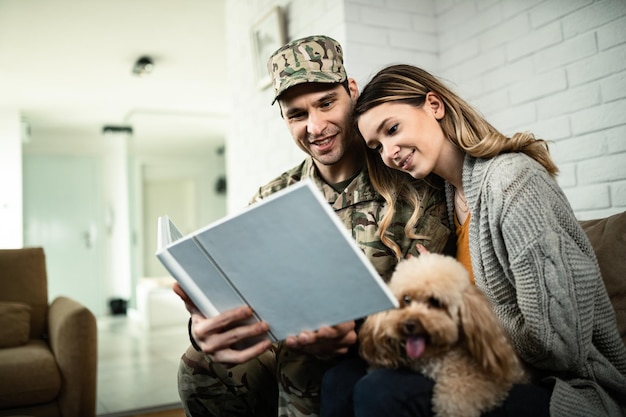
415	347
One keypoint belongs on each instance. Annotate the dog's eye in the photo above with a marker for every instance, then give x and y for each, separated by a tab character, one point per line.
434	302
406	300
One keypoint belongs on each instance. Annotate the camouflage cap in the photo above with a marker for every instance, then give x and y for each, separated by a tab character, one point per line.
317	59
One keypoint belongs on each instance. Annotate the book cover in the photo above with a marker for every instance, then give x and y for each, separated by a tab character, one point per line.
288	257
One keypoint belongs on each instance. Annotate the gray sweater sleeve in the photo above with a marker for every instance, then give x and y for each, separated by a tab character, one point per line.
545	253
530	226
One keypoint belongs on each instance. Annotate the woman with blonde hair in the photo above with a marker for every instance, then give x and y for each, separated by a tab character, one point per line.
516	233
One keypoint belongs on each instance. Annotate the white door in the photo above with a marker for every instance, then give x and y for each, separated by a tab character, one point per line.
63	214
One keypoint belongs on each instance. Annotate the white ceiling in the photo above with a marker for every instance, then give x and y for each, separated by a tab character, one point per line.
66	65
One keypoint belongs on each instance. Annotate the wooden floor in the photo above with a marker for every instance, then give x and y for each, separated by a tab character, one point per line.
164	413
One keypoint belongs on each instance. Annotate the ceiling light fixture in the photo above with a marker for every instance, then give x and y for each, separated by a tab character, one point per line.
112	130
143	66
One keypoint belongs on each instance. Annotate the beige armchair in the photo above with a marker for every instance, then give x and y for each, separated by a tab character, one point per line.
48	352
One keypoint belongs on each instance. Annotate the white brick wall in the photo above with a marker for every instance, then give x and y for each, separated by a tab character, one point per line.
554	67
380	33
563	78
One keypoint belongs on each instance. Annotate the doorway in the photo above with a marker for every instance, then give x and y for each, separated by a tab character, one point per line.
63	214
175	197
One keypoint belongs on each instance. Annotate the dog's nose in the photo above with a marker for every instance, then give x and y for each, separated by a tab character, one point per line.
410	326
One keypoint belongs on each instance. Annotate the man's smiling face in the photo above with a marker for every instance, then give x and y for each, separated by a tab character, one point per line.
317	116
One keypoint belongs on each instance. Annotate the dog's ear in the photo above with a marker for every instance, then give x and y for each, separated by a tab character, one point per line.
375	345
485	337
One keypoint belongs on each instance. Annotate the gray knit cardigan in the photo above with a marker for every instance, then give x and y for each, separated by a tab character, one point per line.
536	265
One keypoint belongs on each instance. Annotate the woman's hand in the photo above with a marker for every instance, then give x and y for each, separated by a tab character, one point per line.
421	249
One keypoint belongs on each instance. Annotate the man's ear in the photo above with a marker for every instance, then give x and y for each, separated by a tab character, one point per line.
434	102
354	89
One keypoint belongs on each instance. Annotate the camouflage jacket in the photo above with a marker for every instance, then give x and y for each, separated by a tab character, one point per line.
360	208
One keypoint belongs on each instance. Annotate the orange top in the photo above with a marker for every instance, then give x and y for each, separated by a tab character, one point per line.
462	244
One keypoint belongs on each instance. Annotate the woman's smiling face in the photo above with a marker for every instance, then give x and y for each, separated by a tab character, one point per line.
408	138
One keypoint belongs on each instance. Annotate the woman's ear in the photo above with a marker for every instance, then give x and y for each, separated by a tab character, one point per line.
434	102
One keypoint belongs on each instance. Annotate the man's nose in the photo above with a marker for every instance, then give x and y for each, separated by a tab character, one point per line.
315	123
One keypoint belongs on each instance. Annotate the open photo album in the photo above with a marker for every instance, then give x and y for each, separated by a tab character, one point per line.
288	257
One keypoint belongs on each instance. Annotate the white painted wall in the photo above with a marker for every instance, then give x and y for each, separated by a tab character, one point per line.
555	67
258	145
11	234
116	221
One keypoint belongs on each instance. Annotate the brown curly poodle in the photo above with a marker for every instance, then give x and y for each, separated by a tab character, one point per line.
446	329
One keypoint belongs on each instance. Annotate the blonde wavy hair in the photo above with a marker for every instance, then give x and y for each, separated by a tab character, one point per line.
398	187
463	125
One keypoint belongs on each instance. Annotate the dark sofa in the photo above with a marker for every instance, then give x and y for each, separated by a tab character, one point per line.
608	237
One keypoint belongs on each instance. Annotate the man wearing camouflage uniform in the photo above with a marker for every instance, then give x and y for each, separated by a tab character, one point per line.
283	379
